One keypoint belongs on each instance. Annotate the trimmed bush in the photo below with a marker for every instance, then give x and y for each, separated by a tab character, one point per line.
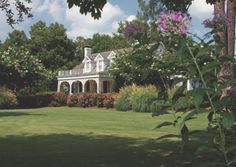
34	101
59	99
72	101
87	99
106	100
7	98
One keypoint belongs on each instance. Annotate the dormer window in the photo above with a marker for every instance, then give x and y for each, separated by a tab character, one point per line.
100	65
87	66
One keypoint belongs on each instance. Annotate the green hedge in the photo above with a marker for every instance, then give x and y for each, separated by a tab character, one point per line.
34	101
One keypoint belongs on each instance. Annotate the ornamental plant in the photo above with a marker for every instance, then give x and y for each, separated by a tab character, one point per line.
201	61
135	32
171	23
218	23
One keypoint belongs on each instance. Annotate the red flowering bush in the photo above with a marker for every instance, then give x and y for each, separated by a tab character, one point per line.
87	100
106	100
59	99
73	101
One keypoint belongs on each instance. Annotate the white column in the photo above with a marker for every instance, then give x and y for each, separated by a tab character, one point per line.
58	86
70	87
83	86
98	85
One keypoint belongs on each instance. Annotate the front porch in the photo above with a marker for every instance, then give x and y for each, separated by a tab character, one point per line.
86	84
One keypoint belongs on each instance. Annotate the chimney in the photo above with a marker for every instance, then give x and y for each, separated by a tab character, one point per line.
87	51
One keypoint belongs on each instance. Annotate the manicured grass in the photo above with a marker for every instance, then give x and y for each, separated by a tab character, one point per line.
76	137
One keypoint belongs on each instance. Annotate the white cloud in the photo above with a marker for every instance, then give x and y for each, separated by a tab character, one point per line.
131	18
54	8
76	24
81	25
200	9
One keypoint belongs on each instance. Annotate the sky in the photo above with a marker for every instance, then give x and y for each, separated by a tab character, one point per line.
51	11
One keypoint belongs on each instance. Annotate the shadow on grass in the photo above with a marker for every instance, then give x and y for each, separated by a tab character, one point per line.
12	114
65	150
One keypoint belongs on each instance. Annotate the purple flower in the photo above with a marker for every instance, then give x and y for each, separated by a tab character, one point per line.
233	89
218	22
132	31
173	23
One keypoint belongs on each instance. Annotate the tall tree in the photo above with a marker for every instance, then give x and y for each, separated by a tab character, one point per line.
51	45
16	38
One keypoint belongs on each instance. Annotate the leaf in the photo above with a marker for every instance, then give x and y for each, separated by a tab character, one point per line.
231	162
203	52
228	119
232	148
227	83
185	118
178	93
184	133
210	66
164	124
168	136
198	95
210	116
227	58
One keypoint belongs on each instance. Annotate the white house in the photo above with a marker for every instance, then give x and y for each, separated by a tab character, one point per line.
89	76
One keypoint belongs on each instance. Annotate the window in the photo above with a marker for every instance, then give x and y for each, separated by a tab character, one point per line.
99	65
87	67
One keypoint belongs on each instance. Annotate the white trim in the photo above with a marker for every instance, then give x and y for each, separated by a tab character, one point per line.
111	55
86	59
99	57
83	77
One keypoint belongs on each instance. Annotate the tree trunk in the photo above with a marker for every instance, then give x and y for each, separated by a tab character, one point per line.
227	39
231	27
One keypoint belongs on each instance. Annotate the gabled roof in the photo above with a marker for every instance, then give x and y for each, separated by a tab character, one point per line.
86	57
98	56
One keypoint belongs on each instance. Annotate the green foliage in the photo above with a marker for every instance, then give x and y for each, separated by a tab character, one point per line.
34	101
7	98
20	68
137	66
53	42
136	98
94	7
123	101
16	39
142	98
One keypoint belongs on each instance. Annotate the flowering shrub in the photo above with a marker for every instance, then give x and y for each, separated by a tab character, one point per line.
59	99
7	98
106	100
133	31
87	100
218	22
92	100
72	100
20	61
173	23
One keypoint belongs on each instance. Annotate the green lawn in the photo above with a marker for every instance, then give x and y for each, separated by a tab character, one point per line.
76	137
